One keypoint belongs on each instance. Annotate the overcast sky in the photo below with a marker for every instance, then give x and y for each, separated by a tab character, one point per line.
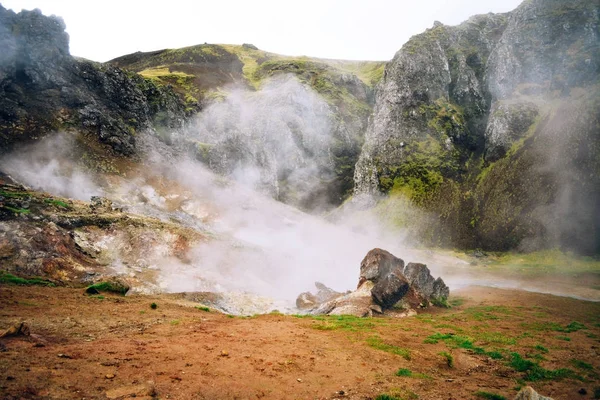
342	29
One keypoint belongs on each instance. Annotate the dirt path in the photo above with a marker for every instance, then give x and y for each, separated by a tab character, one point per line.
111	347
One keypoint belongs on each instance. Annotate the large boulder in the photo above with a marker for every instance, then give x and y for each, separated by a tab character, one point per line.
425	285
390	289
377	264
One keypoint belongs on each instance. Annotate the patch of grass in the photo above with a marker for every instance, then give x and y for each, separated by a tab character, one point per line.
386	397
404	372
154	306
449	358
496	337
202	308
111	287
344	322
457	301
57	203
16	210
440	302
489	396
582	365
541	348
175	322
565	338
376	343
407	373
10	279
534	372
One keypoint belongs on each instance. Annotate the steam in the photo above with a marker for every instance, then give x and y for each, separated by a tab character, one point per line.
276	140
50	166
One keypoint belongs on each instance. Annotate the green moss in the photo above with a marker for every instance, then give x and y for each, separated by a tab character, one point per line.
112	287
10	279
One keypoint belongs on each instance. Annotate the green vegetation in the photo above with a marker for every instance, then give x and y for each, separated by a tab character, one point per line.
386	397
153	306
489	396
534	372
10	279
377	343
448	357
202	308
582	365
404	372
111	287
465	342
16	210
57	203
541	348
343	322
175	322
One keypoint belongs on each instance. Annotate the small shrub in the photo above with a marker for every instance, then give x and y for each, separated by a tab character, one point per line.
565	338
404	372
202	308
154	306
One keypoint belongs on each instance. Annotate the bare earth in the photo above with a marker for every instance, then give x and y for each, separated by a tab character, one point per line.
84	347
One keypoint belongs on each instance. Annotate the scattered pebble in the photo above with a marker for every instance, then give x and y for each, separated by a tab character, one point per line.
299	380
64	356
109	376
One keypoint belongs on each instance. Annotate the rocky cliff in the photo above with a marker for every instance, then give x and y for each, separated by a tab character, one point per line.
43	89
491	127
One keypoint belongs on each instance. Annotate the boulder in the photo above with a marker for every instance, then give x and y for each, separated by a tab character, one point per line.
527	393
425	285
307	300
377	264
390	289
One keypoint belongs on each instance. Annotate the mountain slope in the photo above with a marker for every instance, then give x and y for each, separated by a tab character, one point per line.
491	128
206	75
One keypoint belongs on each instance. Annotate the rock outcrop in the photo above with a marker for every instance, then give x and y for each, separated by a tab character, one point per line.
44	89
465	125
527	393
384	283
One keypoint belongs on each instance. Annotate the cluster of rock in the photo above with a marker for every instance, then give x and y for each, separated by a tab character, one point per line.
385	283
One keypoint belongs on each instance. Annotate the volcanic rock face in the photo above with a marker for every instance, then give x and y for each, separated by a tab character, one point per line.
43	89
383	282
461	109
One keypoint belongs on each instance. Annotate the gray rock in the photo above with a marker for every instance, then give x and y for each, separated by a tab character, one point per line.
377	264
527	393
390	289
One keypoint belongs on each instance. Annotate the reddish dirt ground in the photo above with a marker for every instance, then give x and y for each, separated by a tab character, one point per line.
84	347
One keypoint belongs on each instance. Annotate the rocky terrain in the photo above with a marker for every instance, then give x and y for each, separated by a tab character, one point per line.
491	128
161	212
